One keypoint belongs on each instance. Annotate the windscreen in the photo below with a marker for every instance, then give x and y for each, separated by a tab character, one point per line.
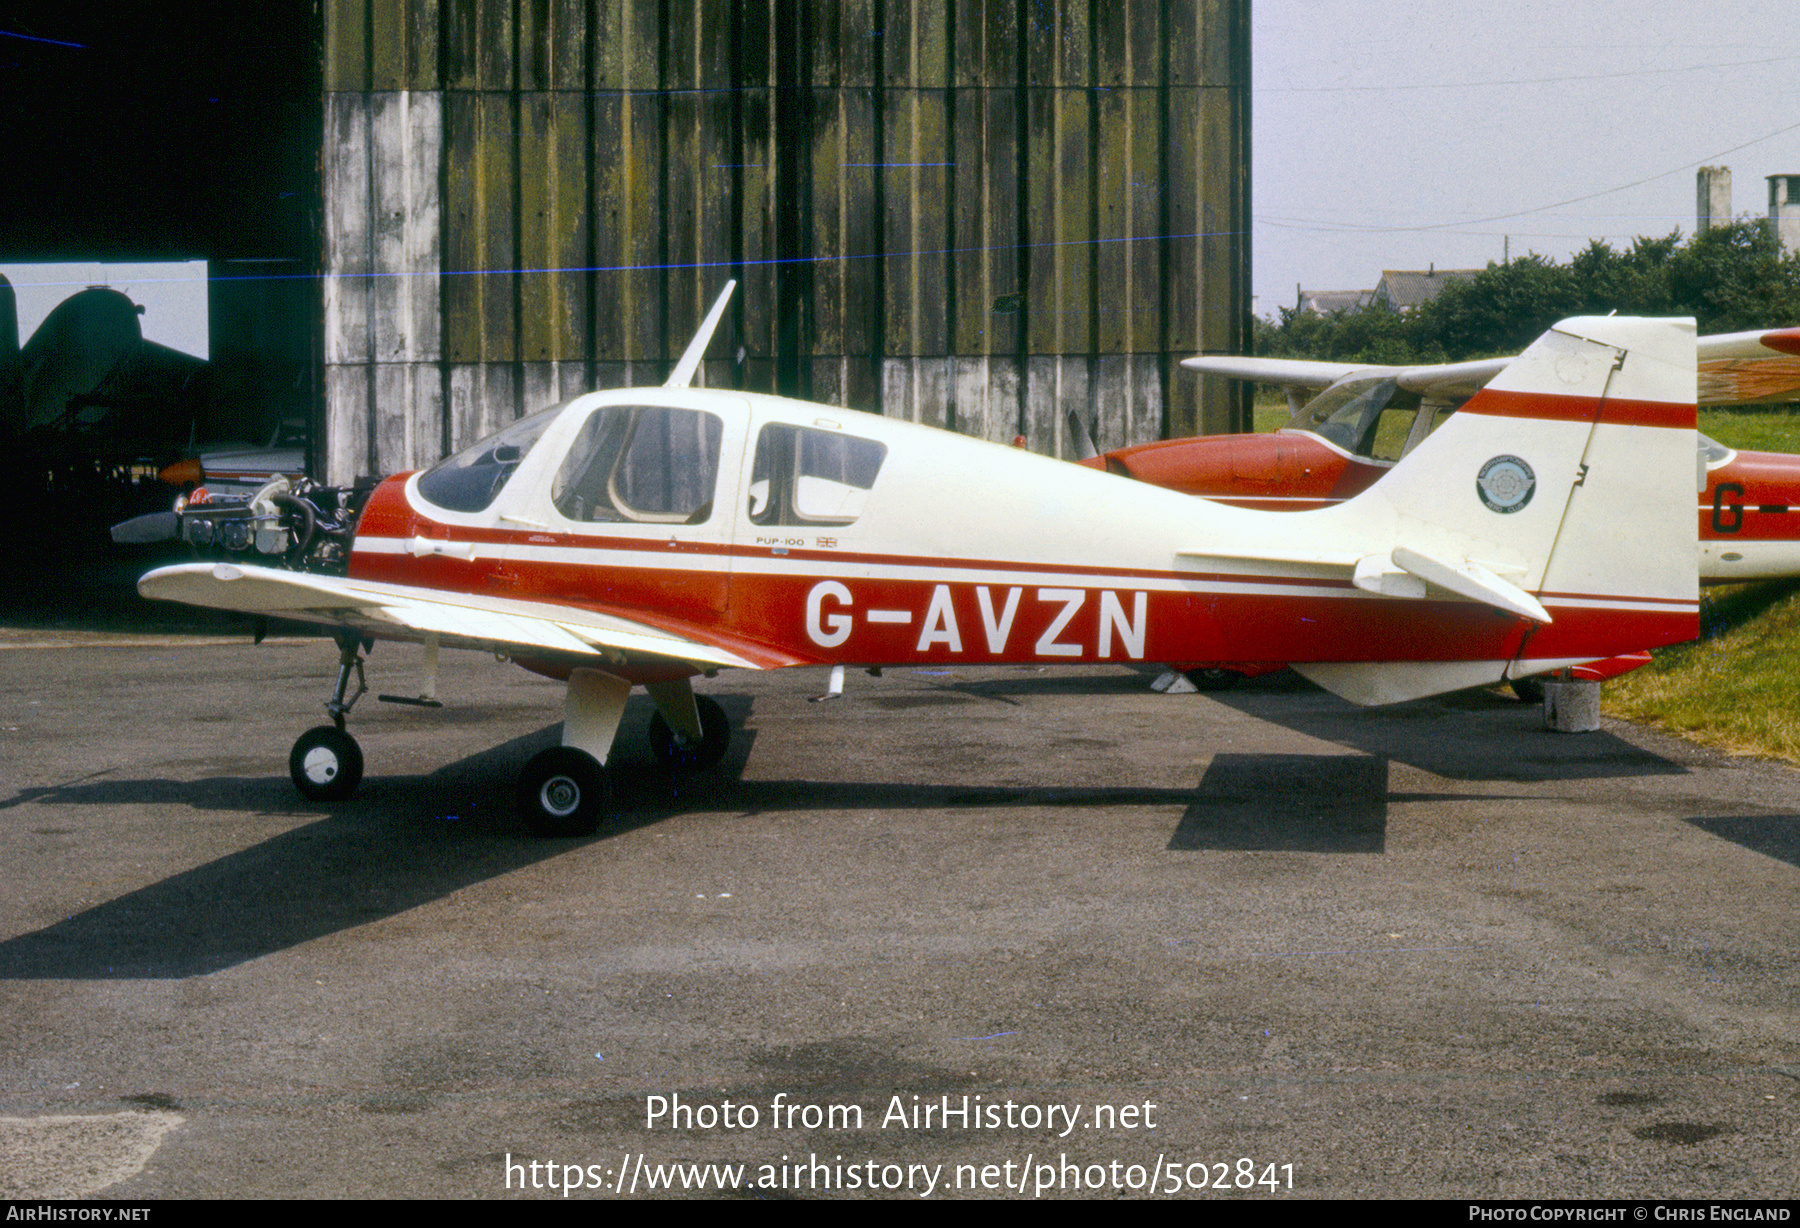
471	480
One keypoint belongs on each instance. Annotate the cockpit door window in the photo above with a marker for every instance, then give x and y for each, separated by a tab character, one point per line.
648	464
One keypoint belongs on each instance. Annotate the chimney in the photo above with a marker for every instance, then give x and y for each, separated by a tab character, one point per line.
1712	197
1784	210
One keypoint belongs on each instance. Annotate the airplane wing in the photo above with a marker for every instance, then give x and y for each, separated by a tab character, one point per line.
1287	372
458	620
1748	368
1444	381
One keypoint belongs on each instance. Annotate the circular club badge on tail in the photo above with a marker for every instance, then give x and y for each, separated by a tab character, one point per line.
1505	484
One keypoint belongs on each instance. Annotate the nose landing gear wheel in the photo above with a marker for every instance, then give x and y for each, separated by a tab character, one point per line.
676	751
563	792
326	764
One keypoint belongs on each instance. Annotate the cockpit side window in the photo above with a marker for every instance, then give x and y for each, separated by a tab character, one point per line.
471	480
1344	412
1369	417
1392	429
645	463
805	476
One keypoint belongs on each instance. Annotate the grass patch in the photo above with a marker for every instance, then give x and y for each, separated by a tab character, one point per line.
1737	687
1759	428
1270	418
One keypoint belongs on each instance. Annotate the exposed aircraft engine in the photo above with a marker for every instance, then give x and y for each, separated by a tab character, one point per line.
305	526
291	522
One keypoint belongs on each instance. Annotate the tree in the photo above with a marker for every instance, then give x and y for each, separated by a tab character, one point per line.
1376	335
1731	278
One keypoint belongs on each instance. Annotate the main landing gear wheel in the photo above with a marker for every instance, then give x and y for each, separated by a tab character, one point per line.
563	792
1214	679
677	751
326	764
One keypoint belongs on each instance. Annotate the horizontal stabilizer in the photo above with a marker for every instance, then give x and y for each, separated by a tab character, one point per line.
1473	581
1403	572
1376	573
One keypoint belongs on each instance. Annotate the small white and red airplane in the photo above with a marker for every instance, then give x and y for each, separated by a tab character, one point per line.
645	536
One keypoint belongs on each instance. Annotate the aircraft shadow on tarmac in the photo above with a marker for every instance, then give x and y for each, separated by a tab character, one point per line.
405	841
1772	835
1468	735
400	842
1040	680
1302	803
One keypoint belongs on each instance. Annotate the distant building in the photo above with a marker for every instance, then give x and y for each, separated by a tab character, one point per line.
1405	289
1712	197
1329	302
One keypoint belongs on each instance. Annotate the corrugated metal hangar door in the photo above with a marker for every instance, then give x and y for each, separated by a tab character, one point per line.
974	213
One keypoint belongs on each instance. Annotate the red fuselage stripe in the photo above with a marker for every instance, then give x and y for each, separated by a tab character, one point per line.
1613	411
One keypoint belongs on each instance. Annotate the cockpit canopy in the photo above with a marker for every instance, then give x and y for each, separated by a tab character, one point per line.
656	464
662	464
1370	417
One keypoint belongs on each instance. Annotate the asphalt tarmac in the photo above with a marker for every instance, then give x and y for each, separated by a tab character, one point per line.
998	932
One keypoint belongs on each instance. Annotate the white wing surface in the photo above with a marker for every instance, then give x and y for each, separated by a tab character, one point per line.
1735	369
459	620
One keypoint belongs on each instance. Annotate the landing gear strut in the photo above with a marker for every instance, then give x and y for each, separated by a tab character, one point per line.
680	751
566	790
326	763
563	791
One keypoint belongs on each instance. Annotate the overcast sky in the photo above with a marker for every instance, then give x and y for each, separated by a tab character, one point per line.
1417	132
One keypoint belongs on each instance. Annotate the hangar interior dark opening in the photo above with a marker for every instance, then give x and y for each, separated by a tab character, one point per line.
140	132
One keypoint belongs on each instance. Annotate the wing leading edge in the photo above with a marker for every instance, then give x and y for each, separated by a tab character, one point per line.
1756	367
458	620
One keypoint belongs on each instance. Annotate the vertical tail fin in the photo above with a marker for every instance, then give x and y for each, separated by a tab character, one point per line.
1562	493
